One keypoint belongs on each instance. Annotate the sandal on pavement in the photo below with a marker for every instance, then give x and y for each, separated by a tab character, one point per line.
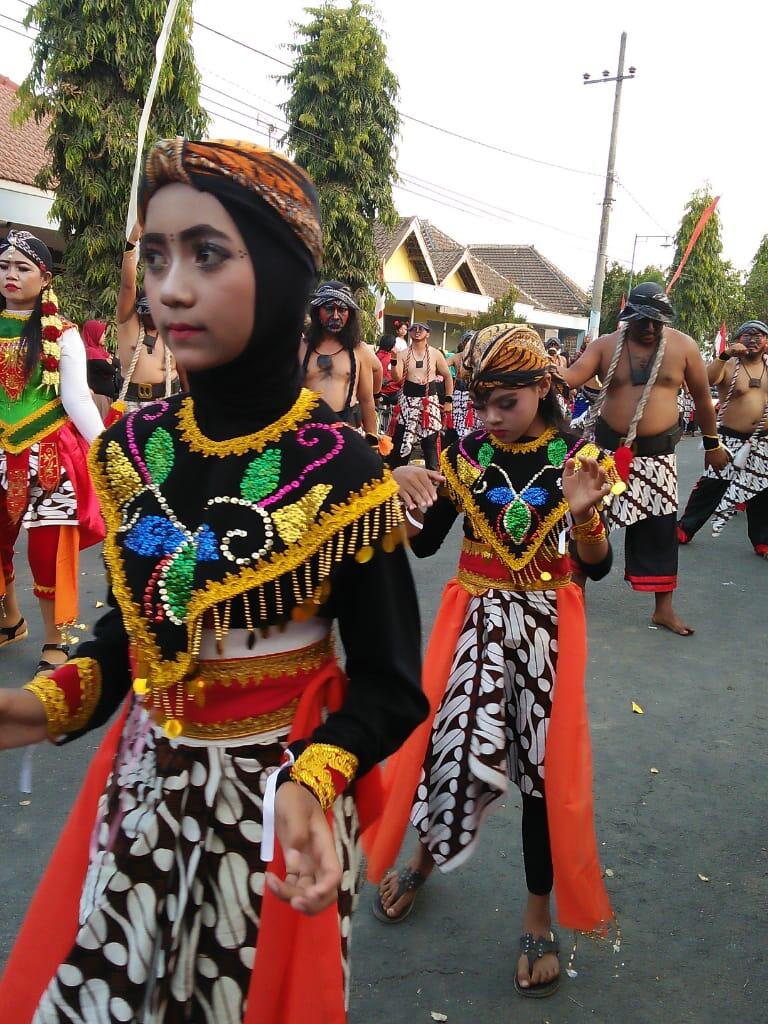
13	634
535	949
407	881
47	666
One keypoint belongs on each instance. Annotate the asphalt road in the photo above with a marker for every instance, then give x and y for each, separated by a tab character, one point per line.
687	847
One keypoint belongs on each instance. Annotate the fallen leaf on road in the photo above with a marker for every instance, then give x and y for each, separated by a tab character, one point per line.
99	604
609	872
654	771
24	803
704	878
637	709
438	1016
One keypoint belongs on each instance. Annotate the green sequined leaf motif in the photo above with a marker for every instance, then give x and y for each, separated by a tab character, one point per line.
556	451
159	455
178	580
262	475
485	455
517	520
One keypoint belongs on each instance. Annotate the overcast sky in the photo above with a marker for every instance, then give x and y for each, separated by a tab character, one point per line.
511	74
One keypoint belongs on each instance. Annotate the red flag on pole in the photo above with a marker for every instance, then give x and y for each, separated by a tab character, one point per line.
693	240
722	339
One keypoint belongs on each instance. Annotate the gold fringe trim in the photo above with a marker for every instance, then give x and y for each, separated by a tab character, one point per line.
53	699
518	448
238	728
269	666
542	542
54	704
331	535
39	435
198	442
476	584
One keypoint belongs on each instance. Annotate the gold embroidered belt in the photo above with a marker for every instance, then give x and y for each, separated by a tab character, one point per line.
237	697
481	570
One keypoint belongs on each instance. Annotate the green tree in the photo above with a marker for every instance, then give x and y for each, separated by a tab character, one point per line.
342	128
501	311
756	288
709	290
92	63
615	289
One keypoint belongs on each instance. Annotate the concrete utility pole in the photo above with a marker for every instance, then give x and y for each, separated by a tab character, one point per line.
597	287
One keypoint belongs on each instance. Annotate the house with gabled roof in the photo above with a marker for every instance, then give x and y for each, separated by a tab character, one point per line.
22	156
434	278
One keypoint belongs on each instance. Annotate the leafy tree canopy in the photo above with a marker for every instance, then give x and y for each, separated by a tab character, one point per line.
343	124
501	311
616	288
709	290
756	289
92	64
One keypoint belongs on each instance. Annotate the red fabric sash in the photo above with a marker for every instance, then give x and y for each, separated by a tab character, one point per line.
582	901
50	926
73	451
297	976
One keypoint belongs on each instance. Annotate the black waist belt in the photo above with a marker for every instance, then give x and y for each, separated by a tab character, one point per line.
461	385
150	392
660	444
740	435
414	390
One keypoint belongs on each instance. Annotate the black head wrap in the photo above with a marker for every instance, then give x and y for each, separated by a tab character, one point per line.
29	246
274	205
648	301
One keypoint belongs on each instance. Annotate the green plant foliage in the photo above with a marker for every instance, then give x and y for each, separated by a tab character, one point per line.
343	128
92	64
501	311
709	290
616	287
756	288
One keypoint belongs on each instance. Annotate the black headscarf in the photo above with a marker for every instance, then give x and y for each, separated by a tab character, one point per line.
262	383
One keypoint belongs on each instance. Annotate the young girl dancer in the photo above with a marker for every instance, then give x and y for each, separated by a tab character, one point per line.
507	655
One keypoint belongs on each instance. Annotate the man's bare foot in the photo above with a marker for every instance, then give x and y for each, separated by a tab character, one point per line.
538	922
672	622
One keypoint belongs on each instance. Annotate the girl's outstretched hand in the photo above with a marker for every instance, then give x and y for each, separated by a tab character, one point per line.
22	719
585	484
313	872
418	486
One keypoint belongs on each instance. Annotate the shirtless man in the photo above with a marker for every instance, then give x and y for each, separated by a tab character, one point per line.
636	417
135	327
419	414
740	374
336	363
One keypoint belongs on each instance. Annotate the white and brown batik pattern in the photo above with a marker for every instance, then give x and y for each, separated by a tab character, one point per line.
743	483
169	915
44	508
651	491
492	722
462	403
411	413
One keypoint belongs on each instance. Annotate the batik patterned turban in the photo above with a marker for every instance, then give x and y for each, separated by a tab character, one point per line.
508	356
267	183
30	246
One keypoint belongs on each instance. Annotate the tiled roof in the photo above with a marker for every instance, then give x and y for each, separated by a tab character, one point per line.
494	283
533	273
436	239
387	240
22	149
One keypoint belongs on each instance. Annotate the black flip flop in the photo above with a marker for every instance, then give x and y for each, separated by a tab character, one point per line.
535	949
47	666
13	634
407	881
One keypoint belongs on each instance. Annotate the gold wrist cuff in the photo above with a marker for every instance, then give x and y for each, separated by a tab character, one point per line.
54	704
313	769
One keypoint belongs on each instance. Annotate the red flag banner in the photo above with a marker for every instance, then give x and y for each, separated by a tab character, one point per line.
722	339
693	240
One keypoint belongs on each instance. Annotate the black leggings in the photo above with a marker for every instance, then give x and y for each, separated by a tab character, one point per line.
428	446
537	855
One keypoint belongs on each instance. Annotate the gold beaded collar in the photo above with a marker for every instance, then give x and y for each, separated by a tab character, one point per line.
256	442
